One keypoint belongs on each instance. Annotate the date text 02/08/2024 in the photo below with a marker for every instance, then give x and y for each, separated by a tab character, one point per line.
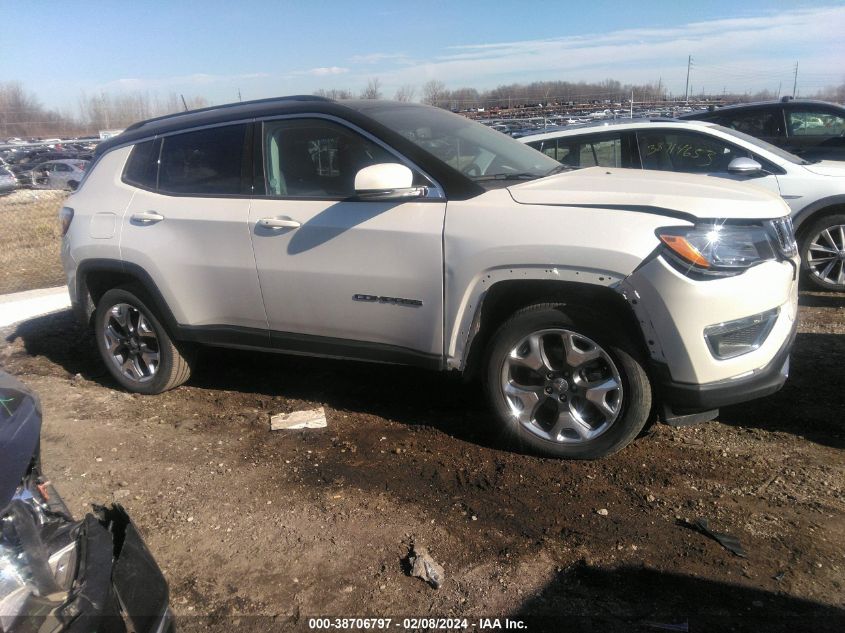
414	624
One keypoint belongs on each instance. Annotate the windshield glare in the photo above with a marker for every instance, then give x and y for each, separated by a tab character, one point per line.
475	150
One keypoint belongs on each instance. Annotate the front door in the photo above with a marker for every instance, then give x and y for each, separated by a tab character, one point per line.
690	152
340	274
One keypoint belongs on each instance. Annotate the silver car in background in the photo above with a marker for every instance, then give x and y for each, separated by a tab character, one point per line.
59	174
8	182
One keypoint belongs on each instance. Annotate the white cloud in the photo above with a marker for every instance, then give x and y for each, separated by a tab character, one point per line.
738	53
182	81
323	71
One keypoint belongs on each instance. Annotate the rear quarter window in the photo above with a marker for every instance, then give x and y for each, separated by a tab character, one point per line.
142	167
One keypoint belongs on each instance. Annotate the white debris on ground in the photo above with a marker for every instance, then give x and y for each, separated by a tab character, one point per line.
309	419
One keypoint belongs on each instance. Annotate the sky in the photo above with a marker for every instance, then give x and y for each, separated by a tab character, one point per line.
216	48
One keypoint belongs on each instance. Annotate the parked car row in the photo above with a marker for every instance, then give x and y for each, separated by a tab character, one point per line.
813	189
58	167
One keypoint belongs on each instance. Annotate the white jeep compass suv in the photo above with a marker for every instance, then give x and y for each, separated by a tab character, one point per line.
402	233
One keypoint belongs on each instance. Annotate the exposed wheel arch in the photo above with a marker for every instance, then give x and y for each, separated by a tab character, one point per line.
505	298
95	277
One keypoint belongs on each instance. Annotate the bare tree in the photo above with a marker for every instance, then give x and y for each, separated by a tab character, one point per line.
22	115
372	91
405	93
334	93
434	92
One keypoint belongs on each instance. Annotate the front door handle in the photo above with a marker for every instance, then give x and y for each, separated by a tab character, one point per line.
147	217
282	222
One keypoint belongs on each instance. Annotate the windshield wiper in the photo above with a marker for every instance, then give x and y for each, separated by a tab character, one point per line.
522	176
558	169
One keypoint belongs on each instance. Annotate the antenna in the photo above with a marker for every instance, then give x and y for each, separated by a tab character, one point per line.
183	102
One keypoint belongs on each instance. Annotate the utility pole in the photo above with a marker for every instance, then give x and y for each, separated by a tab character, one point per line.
795	82
689	64
239	95
780	85
632	103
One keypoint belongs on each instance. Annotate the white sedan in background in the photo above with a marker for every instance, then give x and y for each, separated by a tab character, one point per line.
59	174
815	191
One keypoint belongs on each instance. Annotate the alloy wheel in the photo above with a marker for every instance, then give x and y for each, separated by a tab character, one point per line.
826	255
562	386
131	342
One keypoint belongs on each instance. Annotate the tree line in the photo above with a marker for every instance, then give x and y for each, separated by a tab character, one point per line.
22	114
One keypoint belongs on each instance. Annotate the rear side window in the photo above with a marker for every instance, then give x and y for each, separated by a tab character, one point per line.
205	162
759	123
142	166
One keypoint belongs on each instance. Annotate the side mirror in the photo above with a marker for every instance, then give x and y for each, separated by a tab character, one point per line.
386	181
745	167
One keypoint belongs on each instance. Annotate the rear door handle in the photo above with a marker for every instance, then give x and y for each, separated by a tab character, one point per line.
147	217
283	222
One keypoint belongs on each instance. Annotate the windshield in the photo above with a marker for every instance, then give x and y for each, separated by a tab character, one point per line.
774	149
469	147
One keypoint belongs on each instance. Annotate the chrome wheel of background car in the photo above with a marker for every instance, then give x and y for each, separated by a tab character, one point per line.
562	386
826	255
131	342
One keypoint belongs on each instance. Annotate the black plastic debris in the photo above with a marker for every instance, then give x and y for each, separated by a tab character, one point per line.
728	541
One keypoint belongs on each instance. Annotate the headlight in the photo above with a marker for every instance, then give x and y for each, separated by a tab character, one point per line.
715	249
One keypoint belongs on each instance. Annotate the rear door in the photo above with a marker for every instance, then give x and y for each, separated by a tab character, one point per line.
356	277
187	226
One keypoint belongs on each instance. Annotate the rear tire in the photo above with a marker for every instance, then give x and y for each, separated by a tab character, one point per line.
822	268
135	346
562	383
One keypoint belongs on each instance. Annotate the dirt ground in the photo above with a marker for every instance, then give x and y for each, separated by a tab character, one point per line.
266	529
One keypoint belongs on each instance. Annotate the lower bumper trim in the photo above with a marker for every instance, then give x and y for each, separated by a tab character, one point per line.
694	397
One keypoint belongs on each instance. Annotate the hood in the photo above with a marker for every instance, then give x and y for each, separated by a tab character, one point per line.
827	168
699	196
20	429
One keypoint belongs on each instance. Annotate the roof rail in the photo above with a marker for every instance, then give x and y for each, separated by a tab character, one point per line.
139	124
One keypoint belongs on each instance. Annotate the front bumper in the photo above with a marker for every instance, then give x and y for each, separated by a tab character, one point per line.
684	397
674	310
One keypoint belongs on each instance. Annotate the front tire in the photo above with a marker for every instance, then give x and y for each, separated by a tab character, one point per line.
135	347
562	385
823	253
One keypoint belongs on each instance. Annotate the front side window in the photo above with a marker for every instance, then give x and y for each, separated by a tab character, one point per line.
689	152
204	162
815	123
315	158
